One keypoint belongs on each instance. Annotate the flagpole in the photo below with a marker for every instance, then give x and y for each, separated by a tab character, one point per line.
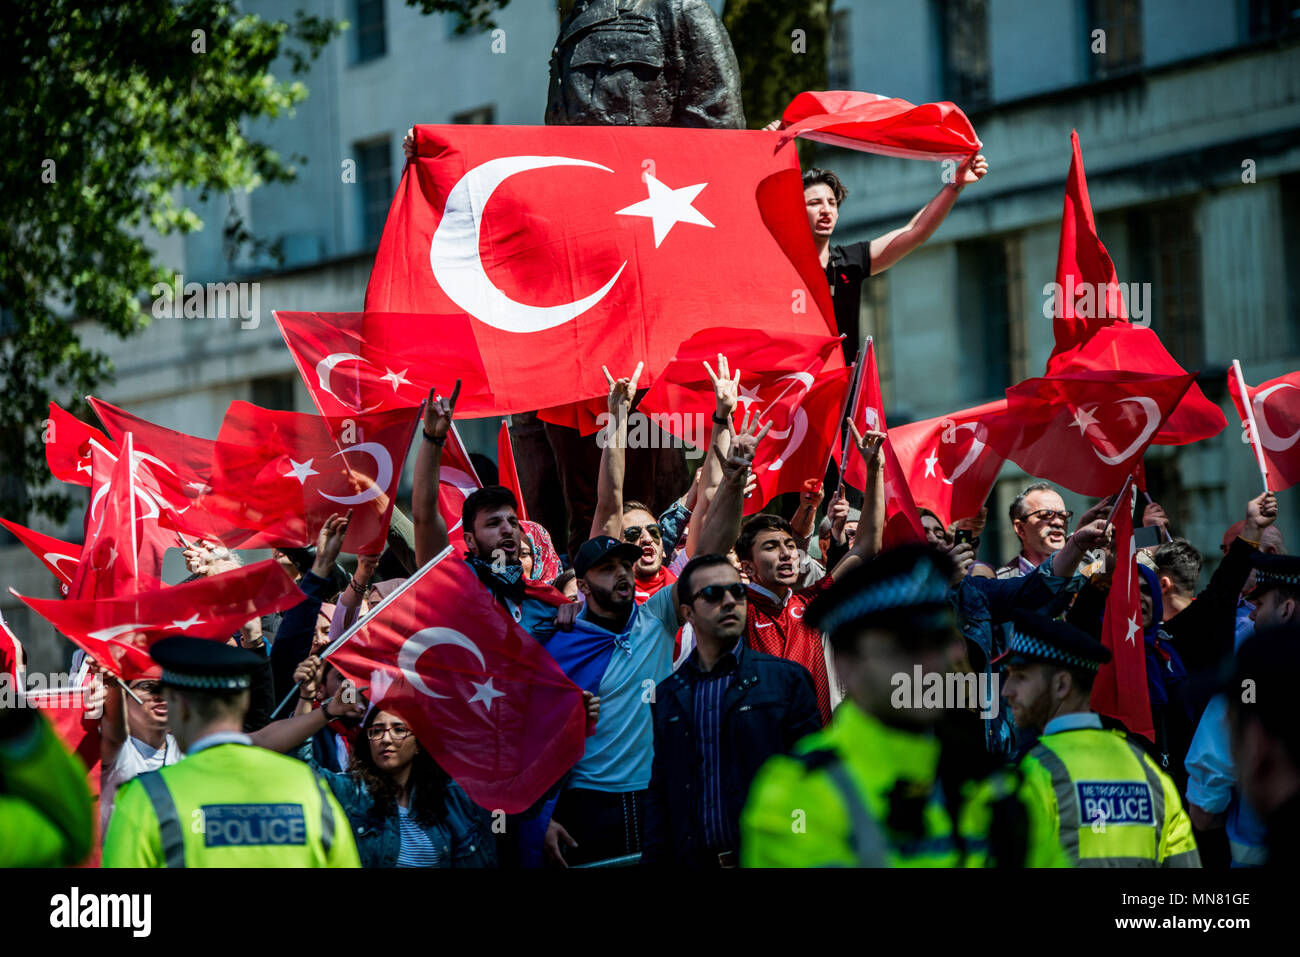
855	391
363	619
1250	418
1164	528
1128	483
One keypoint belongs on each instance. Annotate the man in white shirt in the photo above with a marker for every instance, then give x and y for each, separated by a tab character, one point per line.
134	737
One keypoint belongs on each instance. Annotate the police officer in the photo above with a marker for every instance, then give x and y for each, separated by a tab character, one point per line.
1111	803
228	803
877	788
45	807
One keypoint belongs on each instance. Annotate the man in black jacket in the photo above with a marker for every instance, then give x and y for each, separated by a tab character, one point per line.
724	712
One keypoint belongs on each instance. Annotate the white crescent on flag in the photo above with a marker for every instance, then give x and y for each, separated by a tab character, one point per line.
383	474
1267	437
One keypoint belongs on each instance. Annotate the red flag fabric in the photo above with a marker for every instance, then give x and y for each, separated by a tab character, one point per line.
948	464
902	521
484	698
117	632
279	475
881	124
1087	294
11	652
353	362
1120	690
507	474
124	545
681	402
186	459
456	480
60	557
485	225
1087	430
67	446
1276	405
1129	348
805	419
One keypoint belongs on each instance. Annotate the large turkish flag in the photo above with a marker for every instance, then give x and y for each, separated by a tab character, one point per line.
565	248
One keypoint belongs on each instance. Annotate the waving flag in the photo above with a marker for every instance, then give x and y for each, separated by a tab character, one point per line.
1276	408
482	696
486	225
1120	690
1086	431
881	124
507	474
58	556
902	520
117	632
11	652
457	479
67	446
280	475
949	466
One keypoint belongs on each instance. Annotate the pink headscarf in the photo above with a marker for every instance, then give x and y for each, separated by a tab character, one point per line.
546	560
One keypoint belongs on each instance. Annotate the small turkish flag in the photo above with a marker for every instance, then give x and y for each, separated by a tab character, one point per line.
67	446
947	462
1120	690
881	124
11	651
568	247
457	479
124	545
60	557
280	475
1087	430
902	520
117	632
507	474
1276	406
483	697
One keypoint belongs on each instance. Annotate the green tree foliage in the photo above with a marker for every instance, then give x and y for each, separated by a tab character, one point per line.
781	48
112	111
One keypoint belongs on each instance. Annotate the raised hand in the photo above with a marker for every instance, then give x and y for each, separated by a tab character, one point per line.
408	144
307	676
1261	511
838	512
622	391
972	170
736	463
726	387
1096	533
869	444
329	543
438	413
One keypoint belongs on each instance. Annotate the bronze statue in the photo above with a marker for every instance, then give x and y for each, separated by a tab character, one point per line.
644	63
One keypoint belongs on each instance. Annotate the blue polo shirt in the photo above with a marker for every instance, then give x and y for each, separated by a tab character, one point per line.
619	754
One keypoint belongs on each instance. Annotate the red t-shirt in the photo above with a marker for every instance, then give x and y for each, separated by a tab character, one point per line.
780	630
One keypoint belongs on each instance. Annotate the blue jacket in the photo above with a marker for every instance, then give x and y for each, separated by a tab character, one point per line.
463	837
982	604
769	706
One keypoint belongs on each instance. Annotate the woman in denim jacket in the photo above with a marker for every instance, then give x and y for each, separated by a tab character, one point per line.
404	809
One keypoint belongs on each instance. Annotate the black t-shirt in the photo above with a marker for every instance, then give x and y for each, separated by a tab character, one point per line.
845	271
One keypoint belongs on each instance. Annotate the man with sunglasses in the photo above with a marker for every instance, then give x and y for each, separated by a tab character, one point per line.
1041	522
717	718
642	530
134	737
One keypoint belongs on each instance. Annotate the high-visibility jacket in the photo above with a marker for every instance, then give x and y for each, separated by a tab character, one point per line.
46	817
860	793
1111	804
229	805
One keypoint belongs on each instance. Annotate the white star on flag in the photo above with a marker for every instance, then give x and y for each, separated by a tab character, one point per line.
930	464
667	207
747	396
396	378
300	471
183	623
1083	418
1133	629
485	693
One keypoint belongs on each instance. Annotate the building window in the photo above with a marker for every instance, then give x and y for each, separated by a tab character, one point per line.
965	32
1271	18
992	337
839	59
1121	38
273	392
375	174
1166	248
370	30
484	115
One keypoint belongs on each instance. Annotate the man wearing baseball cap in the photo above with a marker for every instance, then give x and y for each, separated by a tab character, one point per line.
1112	805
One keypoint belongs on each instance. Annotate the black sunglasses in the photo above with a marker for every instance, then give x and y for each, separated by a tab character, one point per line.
713	593
633	532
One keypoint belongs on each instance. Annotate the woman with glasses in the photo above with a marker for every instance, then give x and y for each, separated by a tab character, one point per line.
405	811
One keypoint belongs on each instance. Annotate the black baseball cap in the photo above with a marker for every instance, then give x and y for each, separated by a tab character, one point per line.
596	550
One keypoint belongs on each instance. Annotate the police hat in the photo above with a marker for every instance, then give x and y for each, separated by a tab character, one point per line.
1274	570
905	589
205	665
599	549
1036	637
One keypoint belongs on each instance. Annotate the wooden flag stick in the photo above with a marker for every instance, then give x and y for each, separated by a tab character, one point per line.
1250	419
